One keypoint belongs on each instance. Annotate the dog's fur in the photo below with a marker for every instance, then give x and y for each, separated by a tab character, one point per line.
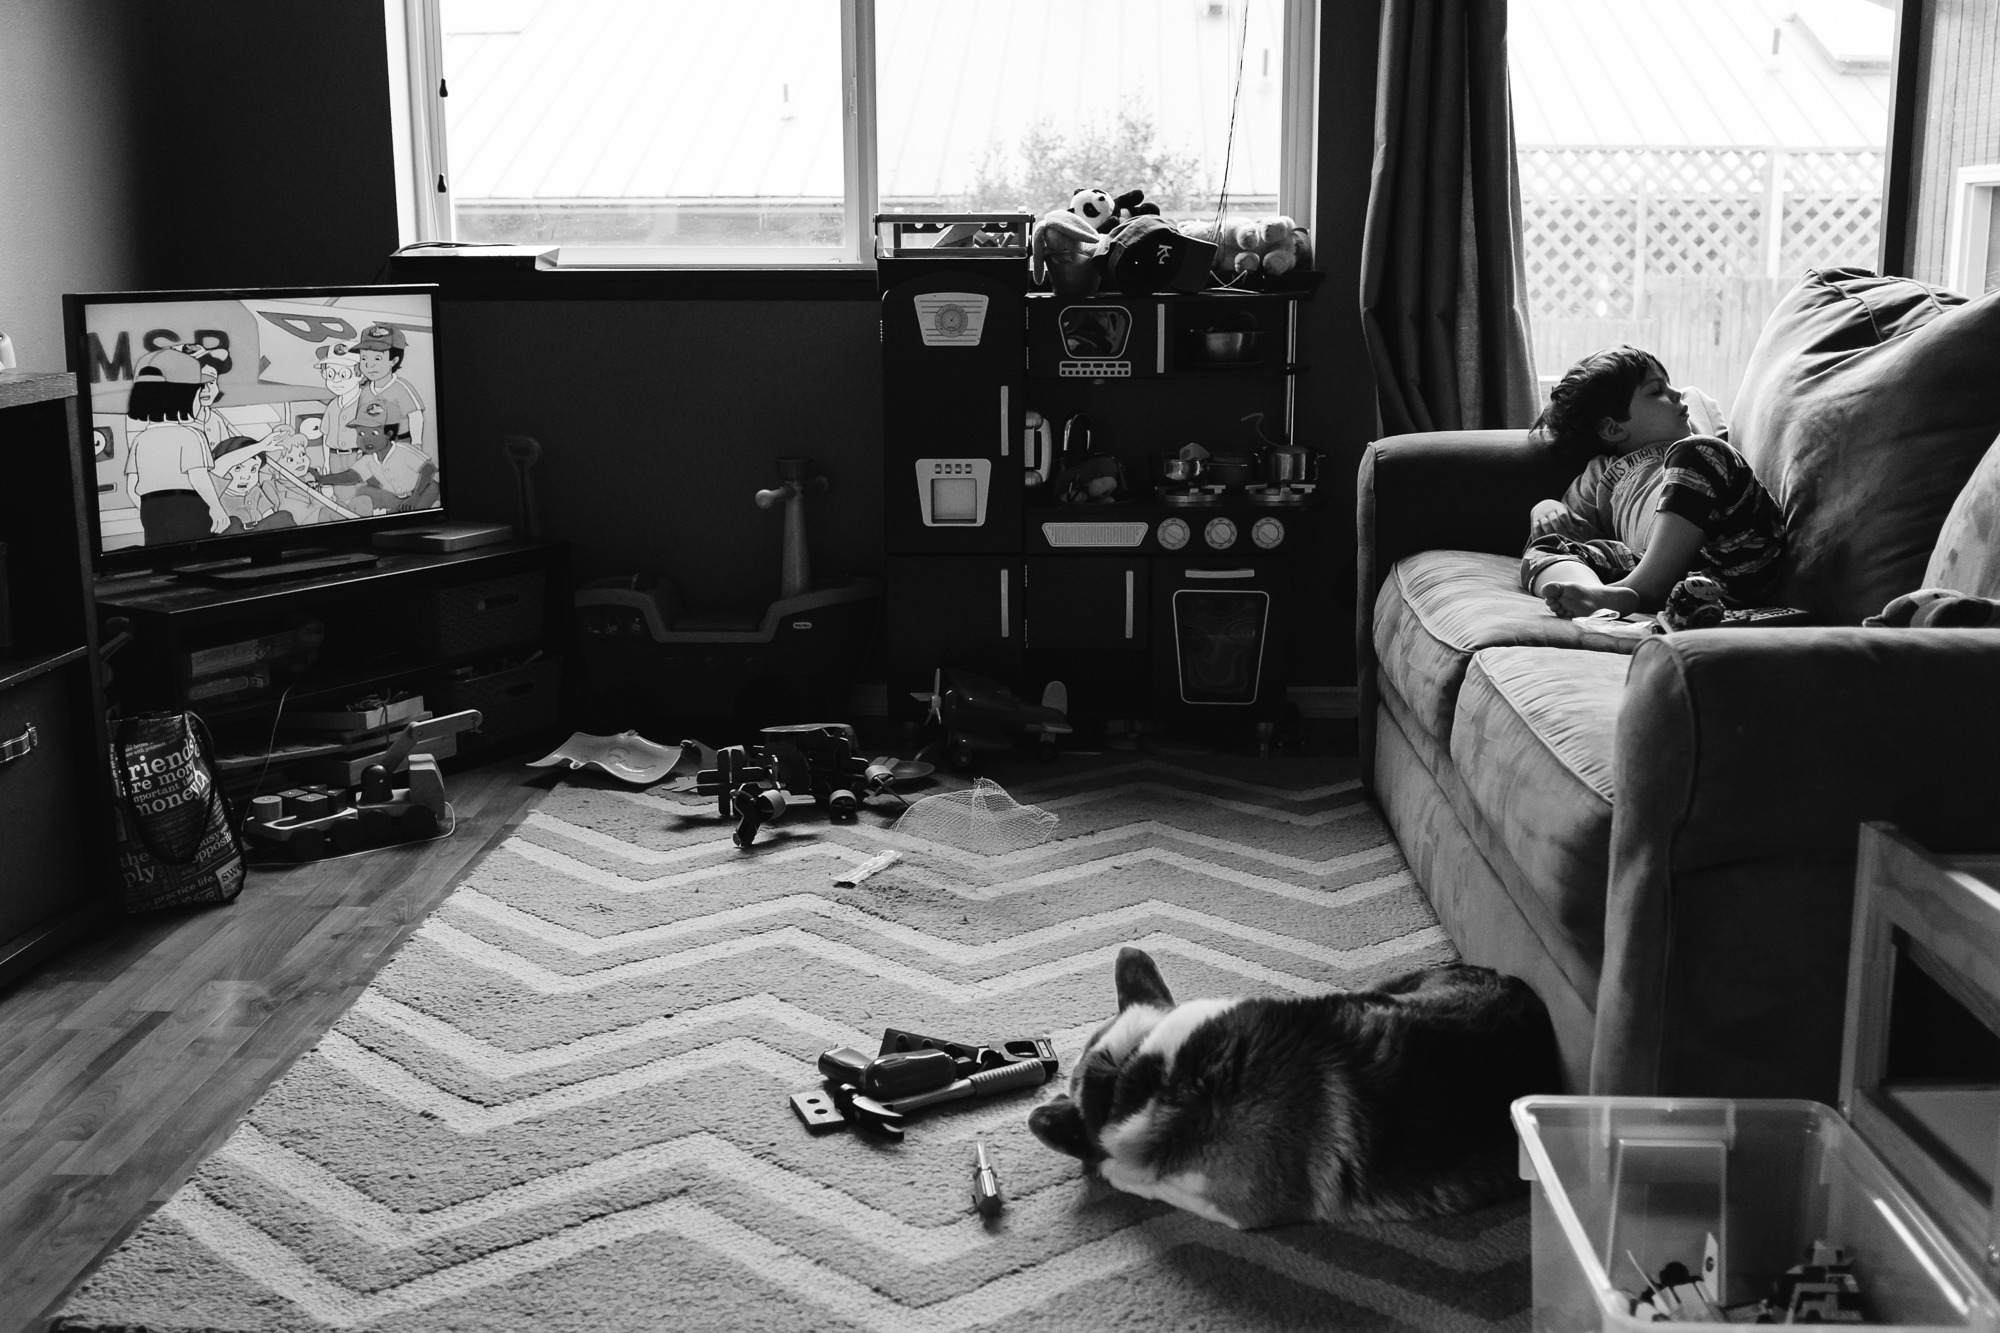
1384	1103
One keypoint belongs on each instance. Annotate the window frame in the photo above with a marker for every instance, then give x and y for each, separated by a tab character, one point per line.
424	214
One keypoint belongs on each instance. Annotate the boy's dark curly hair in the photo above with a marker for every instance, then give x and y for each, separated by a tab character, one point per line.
1599	386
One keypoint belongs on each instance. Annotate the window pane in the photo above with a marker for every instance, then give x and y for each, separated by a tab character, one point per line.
645	122
1682	163
1012	104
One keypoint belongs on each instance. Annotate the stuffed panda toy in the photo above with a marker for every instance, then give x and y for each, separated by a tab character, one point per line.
1095	207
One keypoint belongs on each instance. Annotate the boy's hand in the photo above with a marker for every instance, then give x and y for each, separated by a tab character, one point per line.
1552	516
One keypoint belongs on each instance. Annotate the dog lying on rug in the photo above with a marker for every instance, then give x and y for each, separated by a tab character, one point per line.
1375	1104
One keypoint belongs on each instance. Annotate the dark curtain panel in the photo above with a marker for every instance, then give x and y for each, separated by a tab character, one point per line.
1442	286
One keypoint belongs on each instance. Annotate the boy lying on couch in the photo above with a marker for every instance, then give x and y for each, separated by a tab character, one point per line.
1655	503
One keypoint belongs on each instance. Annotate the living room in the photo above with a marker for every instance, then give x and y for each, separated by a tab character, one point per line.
530	1064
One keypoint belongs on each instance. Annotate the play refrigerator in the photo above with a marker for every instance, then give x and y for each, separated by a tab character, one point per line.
953	363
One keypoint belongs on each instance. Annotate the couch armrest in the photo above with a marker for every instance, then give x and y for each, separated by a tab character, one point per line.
1745	762
1466	490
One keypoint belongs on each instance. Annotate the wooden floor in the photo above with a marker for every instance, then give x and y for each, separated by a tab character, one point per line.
127	1060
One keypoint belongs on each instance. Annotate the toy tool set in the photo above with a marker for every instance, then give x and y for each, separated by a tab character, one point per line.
911	1073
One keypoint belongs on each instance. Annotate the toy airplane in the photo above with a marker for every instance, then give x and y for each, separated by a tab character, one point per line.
975	713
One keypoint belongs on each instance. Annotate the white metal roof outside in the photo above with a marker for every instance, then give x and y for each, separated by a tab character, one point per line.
1679	73
672	99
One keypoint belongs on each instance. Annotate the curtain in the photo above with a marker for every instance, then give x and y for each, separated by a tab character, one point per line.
1443	299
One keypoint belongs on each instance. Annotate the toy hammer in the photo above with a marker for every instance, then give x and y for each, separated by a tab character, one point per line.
1026	1074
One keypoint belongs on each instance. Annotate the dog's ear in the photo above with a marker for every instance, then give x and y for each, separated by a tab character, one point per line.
1059	1123
1139	981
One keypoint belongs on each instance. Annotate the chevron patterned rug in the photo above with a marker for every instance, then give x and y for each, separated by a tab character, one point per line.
563	1105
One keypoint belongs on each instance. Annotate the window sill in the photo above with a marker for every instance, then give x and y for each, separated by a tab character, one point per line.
516	272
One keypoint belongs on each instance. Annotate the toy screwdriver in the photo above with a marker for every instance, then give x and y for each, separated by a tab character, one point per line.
985	1185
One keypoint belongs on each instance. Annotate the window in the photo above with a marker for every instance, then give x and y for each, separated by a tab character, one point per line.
1684	161
770	131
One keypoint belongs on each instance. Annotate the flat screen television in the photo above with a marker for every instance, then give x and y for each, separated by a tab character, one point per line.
232	429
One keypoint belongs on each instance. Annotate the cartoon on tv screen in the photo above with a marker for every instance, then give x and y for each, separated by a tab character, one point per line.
215	417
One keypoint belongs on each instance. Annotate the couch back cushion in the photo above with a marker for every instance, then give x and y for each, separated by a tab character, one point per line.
1865	407
1967	556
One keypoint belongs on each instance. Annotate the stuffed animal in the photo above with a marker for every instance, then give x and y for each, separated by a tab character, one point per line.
1272	246
1095	207
1937	608
1132	204
1060	252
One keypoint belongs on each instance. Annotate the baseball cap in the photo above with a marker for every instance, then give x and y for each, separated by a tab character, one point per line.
341	354
382	338
230	452
169	366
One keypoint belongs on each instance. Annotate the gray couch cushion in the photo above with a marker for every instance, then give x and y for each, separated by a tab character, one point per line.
1967	556
1864	408
1532	745
1438	608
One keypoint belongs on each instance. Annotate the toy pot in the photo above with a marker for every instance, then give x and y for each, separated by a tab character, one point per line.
1290	465
1217	346
1231	470
1174	468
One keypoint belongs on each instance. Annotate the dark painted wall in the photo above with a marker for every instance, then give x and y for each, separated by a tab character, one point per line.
66	176
265	156
659	420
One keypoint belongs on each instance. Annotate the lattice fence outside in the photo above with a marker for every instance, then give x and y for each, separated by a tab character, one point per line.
1673	248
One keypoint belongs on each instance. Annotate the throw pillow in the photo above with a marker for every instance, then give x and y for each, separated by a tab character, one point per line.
1967	556
1865	407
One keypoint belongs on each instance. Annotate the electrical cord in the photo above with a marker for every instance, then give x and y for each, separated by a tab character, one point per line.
1229	141
270	749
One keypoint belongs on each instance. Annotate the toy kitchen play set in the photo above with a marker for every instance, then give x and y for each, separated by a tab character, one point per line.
1102	490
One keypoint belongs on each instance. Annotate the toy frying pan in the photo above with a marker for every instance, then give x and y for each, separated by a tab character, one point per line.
630	757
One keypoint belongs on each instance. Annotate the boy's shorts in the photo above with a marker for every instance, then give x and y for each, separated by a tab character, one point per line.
1609	560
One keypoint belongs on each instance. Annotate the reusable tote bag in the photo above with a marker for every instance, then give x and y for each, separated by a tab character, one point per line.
175	845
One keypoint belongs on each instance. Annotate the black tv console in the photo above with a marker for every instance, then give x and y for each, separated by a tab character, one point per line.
292	565
410	620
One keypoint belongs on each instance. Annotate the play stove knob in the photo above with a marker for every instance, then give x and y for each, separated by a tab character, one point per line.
1172	534
1220	534
1267	533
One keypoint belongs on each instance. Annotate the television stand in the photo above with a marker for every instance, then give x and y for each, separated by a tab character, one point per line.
290	565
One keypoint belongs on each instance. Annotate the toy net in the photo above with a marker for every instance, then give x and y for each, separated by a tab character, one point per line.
980	818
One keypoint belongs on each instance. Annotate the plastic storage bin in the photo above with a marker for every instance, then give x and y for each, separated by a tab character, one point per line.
481	617
1653	1177
513	702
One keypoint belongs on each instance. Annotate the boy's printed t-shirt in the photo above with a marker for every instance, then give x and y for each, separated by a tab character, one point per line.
1704	481
1618	494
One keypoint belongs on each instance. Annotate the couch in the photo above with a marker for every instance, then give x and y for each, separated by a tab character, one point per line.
1658	831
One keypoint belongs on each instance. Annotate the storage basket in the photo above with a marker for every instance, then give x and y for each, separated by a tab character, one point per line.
513	702
481	617
1624	1185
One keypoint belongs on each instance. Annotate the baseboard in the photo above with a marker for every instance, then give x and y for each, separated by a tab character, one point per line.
871	699
1325	701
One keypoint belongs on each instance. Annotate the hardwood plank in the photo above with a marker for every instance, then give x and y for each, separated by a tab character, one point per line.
132	1057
